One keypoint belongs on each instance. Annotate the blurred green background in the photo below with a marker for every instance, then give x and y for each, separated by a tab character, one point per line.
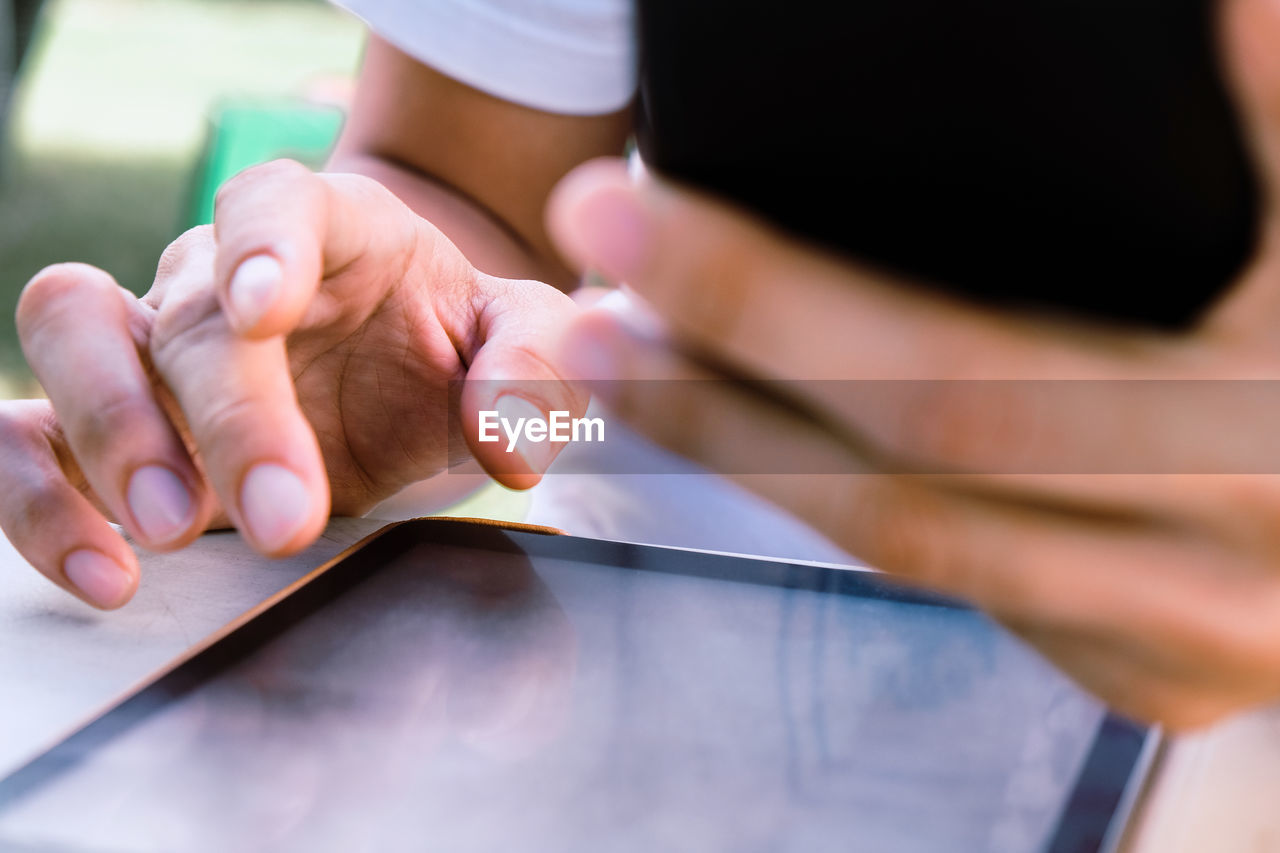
112	115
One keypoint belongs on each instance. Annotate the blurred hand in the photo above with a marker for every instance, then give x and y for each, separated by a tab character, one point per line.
1152	575
301	356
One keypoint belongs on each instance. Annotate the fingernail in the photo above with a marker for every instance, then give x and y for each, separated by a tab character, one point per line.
613	229
254	289
511	411
102	580
616	301
160	503
274	504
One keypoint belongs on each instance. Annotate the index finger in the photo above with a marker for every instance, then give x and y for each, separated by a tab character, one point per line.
281	229
237	396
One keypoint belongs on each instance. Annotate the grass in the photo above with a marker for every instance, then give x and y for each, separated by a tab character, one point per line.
110	120
70	209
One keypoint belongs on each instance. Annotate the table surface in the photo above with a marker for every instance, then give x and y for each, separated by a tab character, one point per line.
61	662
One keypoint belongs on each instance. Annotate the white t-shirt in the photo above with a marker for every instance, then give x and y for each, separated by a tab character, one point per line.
561	56
578	56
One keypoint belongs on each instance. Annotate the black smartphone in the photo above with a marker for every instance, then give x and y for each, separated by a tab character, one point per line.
1080	156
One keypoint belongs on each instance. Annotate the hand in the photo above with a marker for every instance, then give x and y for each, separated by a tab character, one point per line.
1151	574
300	357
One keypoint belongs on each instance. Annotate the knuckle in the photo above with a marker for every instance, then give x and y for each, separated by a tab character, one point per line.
97	432
20	427
226	417
355	184
29	518
176	255
183	322
40	489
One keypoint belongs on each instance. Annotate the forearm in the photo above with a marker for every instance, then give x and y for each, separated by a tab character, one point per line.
477	167
484	238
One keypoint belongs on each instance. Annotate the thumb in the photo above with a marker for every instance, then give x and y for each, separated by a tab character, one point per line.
1251	53
517	410
1250	35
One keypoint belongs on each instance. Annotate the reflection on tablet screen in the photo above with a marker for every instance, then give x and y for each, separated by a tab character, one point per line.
471	700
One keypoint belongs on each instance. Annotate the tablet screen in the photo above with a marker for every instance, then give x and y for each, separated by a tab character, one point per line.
479	690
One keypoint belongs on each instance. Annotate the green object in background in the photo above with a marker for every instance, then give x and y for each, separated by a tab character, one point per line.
246	133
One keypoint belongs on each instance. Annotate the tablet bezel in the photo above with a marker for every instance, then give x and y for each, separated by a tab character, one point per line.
1093	817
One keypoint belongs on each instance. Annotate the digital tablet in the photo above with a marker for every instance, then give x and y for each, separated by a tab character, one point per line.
452	686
